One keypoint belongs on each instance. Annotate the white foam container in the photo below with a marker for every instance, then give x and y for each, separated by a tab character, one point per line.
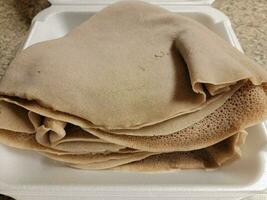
26	175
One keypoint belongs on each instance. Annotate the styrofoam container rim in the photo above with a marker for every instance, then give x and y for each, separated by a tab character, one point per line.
106	2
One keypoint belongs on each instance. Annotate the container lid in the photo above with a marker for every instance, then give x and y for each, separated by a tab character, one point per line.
106	2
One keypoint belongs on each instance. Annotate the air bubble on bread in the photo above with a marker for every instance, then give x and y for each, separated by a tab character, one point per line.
245	108
208	158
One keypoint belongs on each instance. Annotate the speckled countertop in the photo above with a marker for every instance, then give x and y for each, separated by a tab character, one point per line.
249	20
248	17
